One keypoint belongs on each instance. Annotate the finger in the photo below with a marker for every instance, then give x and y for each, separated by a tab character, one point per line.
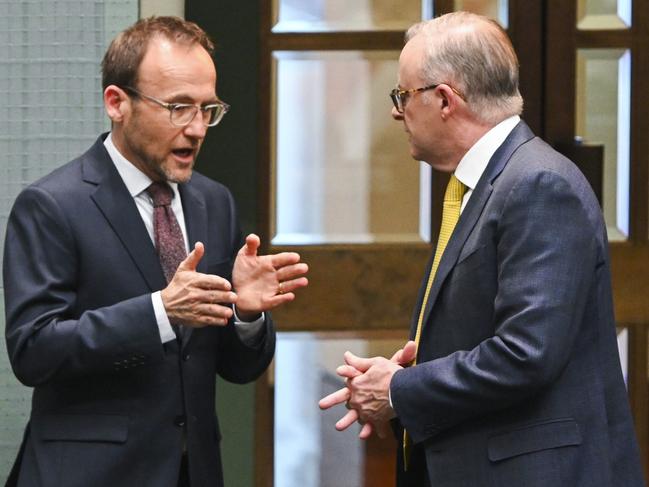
366	431
210	296
292	271
348	371
338	397
294	284
252	245
284	259
219	311
191	261
347	420
277	300
359	363
208	282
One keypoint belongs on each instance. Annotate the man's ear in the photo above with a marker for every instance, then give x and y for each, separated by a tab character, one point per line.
448	100
116	102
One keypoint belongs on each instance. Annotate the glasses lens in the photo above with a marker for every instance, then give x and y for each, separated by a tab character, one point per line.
396	100
212	115
181	115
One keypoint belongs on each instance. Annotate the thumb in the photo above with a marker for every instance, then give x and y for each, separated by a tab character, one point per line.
191	261
361	364
409	353
251	246
405	355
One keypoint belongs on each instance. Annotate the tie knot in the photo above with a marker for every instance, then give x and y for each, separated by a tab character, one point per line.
161	193
455	189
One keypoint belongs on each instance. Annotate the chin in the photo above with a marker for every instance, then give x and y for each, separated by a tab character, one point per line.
179	175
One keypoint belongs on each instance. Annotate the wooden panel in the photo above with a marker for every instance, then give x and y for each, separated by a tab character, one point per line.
604	38
353	41
526	32
630	272
360	287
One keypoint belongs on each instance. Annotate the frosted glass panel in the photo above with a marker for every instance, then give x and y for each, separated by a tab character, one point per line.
343	172
337	15
603	14
603	116
51	111
495	9
309	452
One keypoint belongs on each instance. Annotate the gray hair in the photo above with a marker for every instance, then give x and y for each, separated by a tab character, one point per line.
474	55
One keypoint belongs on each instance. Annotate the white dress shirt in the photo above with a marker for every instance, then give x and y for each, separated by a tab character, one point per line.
475	161
136	183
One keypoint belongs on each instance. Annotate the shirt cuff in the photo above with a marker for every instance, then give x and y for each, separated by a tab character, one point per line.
249	331
164	325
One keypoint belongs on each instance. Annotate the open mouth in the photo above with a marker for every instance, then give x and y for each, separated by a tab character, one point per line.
183	153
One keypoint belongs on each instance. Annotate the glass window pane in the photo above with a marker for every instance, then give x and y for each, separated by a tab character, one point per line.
309	452
337	15
603	14
343	172
495	9
603	116
51	111
623	350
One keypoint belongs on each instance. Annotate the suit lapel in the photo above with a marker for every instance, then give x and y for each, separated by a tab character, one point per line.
469	217
121	213
195	212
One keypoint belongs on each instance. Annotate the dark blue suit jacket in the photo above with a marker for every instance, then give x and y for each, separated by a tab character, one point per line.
518	381
110	401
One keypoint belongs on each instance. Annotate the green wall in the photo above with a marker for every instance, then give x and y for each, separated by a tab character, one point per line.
229	155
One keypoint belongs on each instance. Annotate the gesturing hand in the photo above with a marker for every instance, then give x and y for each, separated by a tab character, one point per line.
263	282
356	367
196	299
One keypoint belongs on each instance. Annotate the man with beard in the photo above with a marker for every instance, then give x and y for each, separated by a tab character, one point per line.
129	287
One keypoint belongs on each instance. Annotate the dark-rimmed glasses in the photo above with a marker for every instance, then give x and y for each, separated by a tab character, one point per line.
399	97
181	114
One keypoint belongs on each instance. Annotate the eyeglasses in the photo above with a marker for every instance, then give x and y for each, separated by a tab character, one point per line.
181	114
399	97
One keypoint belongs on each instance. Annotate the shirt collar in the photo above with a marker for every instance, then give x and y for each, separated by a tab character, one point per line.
475	161
135	180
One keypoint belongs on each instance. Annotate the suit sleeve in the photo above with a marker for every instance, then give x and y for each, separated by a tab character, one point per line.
47	338
547	252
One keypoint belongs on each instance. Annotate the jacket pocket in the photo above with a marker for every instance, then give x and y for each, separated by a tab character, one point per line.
535	437
82	427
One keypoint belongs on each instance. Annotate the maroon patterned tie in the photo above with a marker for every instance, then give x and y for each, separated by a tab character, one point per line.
169	239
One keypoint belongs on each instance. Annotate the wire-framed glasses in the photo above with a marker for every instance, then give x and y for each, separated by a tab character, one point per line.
181	114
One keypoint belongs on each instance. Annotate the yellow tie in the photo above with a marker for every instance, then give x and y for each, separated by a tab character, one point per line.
450	215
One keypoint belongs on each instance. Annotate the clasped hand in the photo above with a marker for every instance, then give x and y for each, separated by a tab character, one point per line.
259	283
366	393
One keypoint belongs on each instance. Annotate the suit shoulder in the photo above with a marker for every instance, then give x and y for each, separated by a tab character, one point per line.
63	181
536	157
209	187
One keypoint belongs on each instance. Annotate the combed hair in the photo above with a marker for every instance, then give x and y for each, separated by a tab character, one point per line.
125	53
473	54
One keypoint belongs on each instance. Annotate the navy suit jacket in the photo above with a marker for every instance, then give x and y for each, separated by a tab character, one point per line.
110	401
518	380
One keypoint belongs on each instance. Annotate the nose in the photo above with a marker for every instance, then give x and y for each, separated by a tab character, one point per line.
396	115
196	128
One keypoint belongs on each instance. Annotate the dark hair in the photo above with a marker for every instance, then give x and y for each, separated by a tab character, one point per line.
124	55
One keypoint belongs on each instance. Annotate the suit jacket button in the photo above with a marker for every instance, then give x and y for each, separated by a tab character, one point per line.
186	357
179	420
